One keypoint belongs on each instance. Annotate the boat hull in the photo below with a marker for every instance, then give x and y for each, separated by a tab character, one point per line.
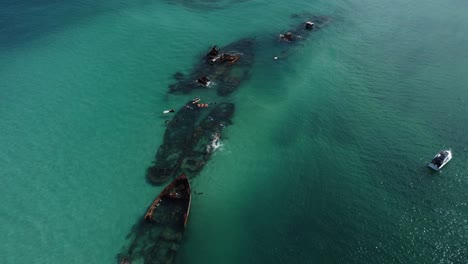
226	75
176	197
157	237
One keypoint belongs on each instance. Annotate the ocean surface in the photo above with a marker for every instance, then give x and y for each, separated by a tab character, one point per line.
325	161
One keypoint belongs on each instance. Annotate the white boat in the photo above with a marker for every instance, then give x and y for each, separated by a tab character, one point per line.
439	160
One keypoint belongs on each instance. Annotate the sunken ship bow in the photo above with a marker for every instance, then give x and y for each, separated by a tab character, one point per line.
157	237
189	143
223	68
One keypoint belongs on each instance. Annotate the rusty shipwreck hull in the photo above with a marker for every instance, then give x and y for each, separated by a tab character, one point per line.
225	74
158	235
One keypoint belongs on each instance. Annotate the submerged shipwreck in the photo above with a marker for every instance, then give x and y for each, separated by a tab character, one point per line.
158	236
222	68
192	135
299	33
189	141
304	29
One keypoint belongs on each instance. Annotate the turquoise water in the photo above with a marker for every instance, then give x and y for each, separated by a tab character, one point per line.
325	161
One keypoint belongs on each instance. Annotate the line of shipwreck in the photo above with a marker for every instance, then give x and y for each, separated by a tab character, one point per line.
191	137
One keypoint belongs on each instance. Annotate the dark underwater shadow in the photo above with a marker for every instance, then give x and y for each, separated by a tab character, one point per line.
22	21
206	5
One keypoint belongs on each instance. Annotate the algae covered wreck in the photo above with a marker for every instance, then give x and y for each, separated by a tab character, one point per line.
158	235
191	137
188	141
226	68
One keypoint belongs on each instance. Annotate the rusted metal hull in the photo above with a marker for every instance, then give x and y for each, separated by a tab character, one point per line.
177	192
301	31
158	236
225	72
